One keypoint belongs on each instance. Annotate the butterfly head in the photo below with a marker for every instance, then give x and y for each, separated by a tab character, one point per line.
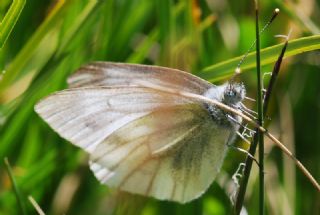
230	94
233	93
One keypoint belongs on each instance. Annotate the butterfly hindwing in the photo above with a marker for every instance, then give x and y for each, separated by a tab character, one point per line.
172	153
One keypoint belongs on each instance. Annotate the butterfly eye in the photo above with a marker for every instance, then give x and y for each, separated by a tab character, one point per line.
234	93
231	93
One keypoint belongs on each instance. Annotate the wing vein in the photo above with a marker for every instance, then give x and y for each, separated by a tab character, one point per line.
153	176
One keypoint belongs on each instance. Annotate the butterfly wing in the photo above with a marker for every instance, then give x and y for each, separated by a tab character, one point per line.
122	74
170	154
141	140
86	116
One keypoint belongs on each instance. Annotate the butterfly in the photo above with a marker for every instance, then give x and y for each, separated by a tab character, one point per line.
143	140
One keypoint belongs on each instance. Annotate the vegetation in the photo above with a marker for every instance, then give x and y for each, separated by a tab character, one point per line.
51	39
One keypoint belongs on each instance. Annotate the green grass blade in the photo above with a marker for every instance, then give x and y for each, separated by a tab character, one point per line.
268	55
82	17
15	187
10	20
30	48
136	18
143	49
48	33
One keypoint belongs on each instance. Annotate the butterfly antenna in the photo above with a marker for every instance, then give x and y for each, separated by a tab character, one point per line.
238	70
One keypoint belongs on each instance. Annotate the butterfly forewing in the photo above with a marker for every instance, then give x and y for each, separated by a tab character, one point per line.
172	153
122	74
86	116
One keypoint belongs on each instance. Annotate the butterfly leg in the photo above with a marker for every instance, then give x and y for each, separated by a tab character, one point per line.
243	151
248	111
235	178
251	132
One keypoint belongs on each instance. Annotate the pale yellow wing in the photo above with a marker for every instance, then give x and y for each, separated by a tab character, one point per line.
170	154
123	74
86	116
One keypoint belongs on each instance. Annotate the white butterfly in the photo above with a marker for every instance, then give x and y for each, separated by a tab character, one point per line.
143	140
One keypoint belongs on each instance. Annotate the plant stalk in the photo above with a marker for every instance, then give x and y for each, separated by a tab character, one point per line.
252	150
260	116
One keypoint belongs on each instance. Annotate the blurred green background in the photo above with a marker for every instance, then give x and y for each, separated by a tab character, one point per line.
51	39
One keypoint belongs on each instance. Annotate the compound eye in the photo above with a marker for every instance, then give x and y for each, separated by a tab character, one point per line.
231	93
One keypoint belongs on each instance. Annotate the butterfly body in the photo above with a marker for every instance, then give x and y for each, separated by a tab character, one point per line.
140	139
